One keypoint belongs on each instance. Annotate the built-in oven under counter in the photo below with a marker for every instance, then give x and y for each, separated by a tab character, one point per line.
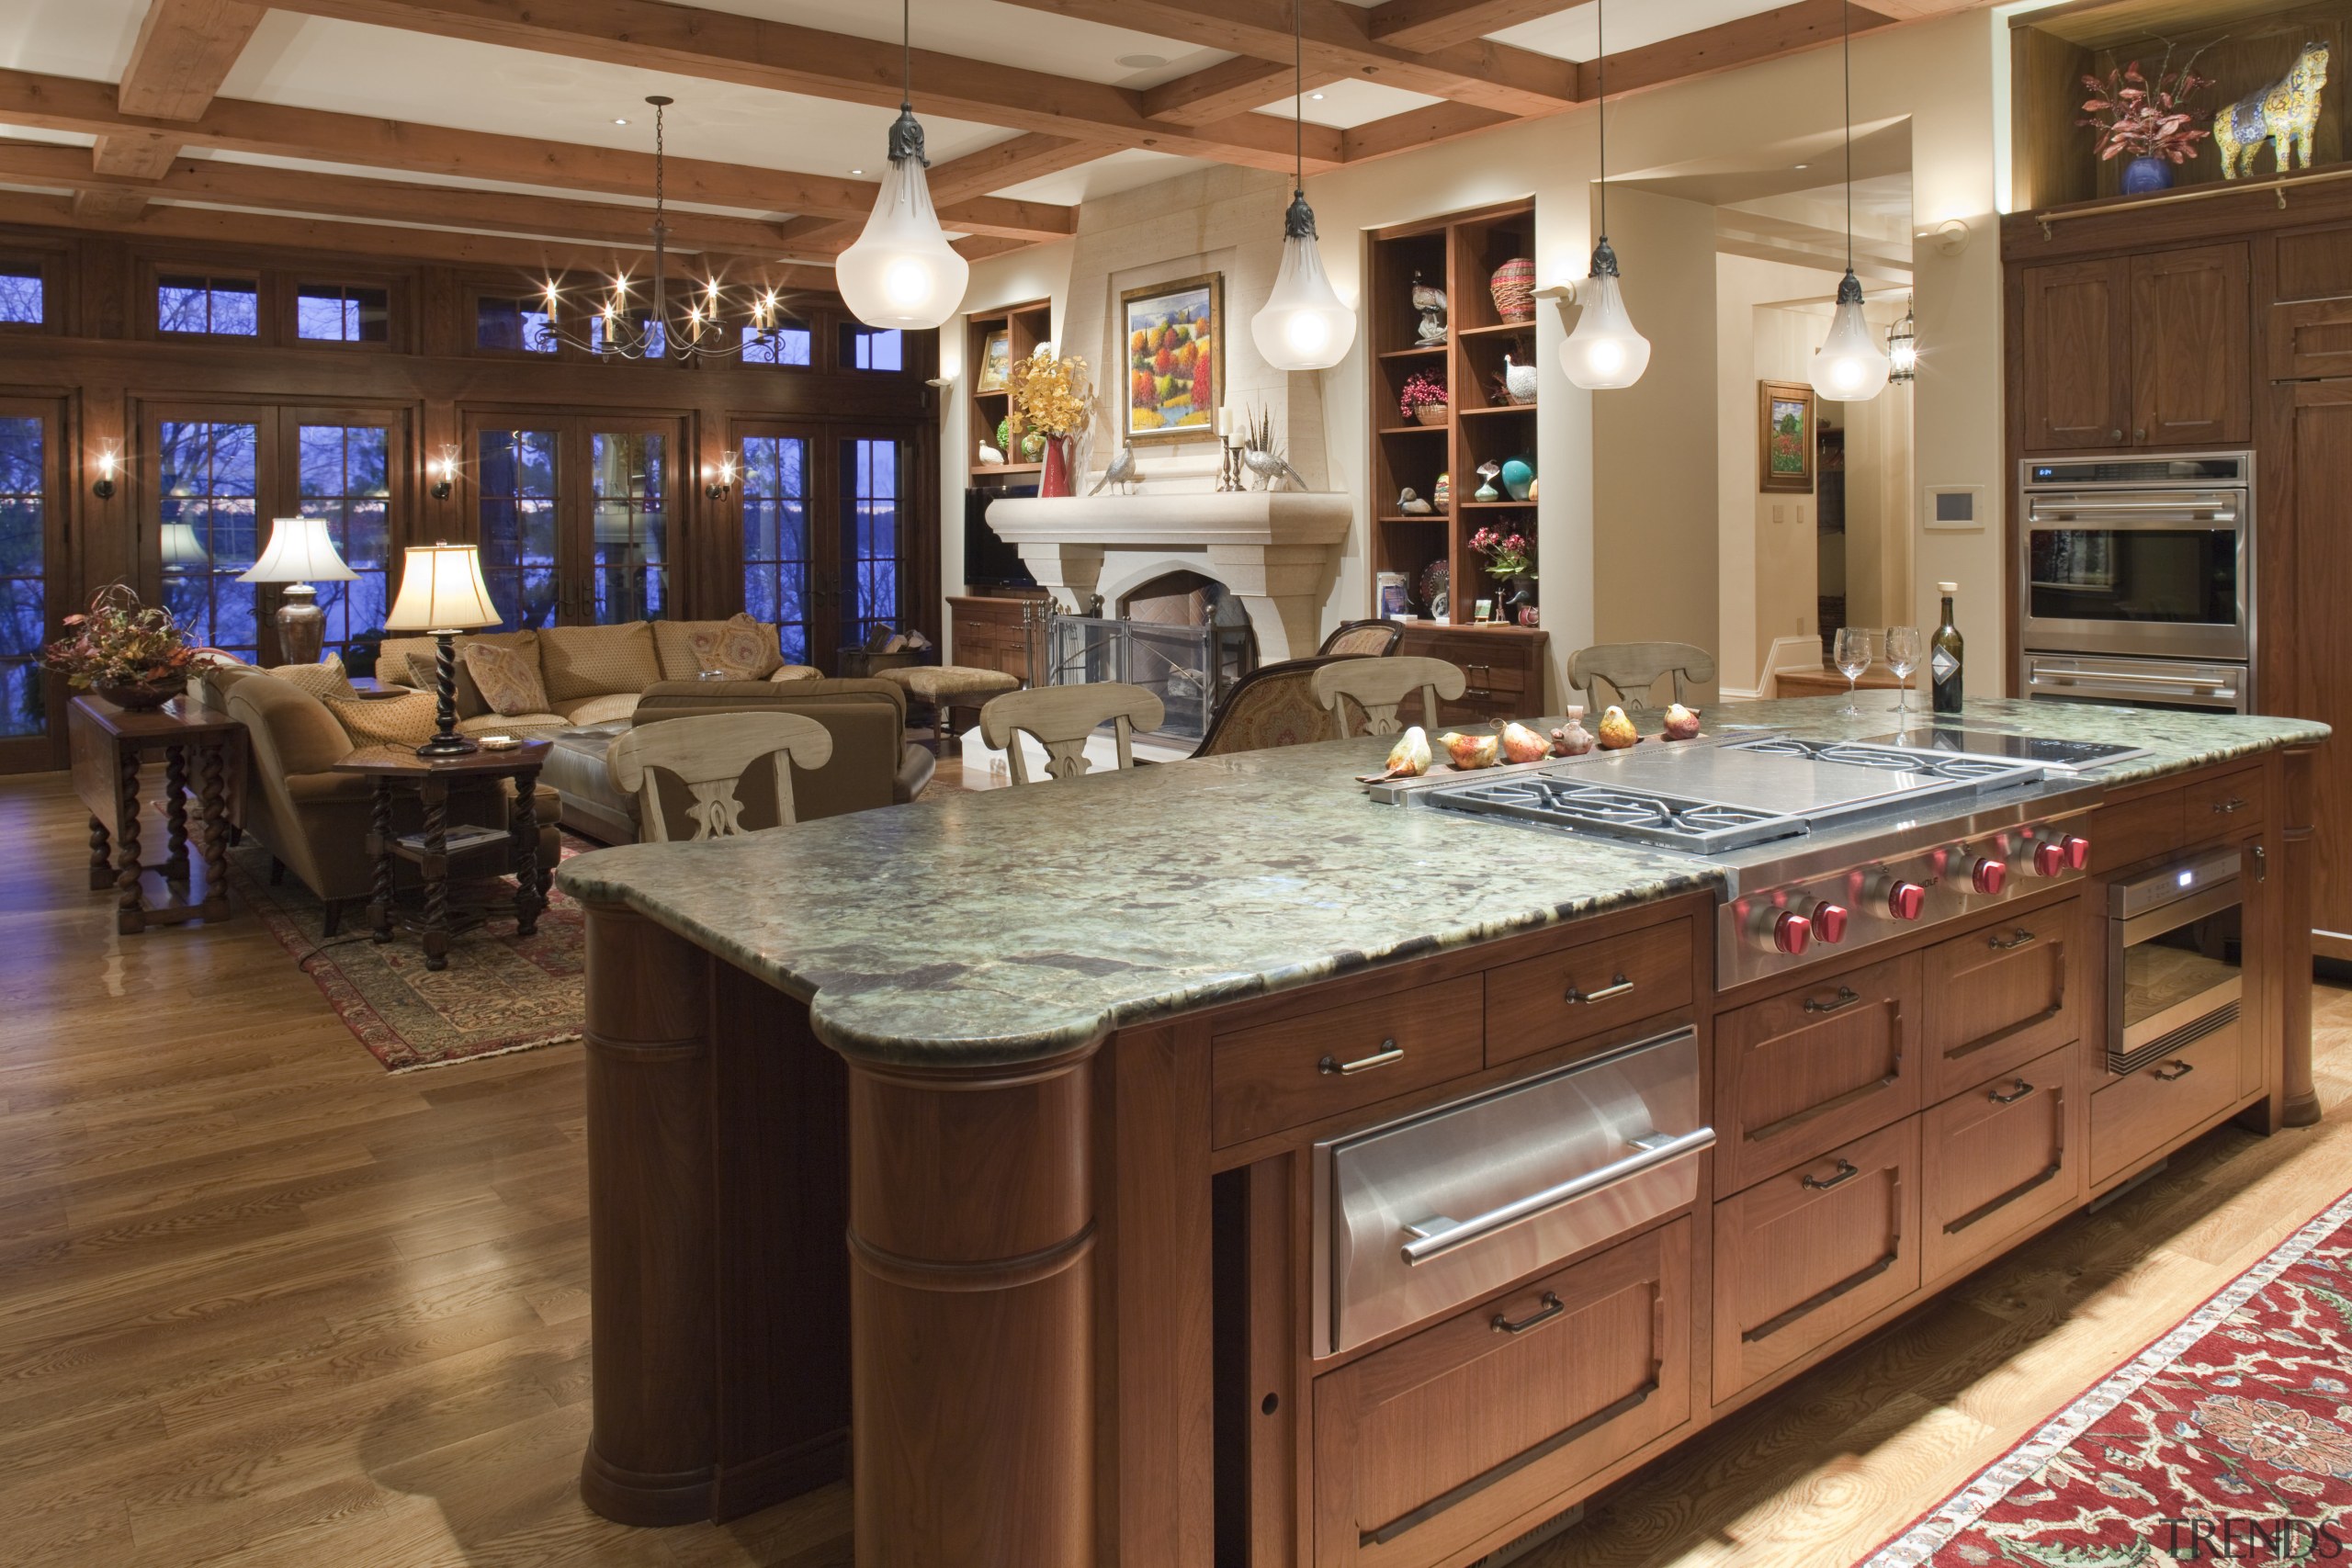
2111	680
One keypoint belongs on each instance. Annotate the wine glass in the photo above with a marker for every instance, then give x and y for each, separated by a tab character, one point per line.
1853	656
1905	647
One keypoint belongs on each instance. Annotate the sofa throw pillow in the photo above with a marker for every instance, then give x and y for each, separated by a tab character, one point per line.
740	647
594	661
508	680
323	679
404	720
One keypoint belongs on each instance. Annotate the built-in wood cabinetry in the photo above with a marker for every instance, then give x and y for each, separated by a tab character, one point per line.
1022	328
2136	351
995	631
1505	669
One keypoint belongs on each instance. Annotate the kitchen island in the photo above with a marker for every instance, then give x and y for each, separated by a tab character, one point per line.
1088	1075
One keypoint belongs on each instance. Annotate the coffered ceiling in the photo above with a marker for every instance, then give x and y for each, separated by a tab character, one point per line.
480	130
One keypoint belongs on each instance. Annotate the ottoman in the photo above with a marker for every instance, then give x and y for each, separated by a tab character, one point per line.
948	690
592	807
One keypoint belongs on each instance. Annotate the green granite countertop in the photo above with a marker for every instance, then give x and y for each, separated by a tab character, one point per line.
1014	924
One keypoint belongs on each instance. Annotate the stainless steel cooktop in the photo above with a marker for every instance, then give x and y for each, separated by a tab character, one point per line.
1954	740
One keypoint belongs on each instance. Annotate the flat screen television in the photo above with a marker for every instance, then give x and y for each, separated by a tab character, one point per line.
988	561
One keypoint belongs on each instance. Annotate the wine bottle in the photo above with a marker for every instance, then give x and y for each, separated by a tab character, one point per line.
1949	652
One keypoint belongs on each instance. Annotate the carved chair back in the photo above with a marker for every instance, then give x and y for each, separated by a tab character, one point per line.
711	755
1379	686
1363	640
1629	669
1060	718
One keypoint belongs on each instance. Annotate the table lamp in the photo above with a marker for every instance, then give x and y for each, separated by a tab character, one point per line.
300	552
442	594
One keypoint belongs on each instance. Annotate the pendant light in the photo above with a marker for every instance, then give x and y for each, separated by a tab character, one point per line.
1903	347
902	272
1849	367
1302	326
1604	352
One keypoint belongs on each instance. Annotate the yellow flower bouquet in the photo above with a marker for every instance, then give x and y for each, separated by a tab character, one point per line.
1050	396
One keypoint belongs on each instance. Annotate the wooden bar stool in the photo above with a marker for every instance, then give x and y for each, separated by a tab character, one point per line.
1061	718
711	755
1379	686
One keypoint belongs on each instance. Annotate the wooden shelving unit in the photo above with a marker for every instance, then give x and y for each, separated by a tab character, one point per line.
1026	326
1463	250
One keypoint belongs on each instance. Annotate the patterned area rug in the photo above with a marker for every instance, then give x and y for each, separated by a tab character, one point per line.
500	993
2228	1439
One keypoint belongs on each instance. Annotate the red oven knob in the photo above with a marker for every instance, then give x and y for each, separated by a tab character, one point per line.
1906	900
2078	852
2049	859
1988	876
1792	933
1829	922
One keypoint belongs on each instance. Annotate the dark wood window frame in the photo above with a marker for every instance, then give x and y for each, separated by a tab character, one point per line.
266	302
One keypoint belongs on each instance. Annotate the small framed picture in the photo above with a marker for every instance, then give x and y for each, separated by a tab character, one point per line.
996	362
1485	610
1785	437
1395	596
1175	358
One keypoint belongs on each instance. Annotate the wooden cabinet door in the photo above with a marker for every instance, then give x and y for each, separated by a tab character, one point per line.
2076	366
1805	1071
2192	348
2001	996
1804	1256
1997	1158
1425	1448
2315	635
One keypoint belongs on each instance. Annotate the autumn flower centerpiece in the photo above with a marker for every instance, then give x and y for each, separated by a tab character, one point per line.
1424	397
133	655
2147	121
1052	398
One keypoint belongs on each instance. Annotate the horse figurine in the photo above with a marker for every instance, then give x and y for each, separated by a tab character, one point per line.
2284	114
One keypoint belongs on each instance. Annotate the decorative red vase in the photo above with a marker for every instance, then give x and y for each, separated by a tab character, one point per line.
1054	479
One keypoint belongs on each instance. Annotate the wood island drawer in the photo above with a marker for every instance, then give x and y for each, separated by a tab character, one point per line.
2135	829
2134	1116
1806	1072
1587	990
1425	1446
1997	1158
1296	1070
1804	1256
2000	997
2224	804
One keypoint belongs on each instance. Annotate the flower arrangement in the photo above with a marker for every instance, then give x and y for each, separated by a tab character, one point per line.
2139	119
131	653
1508	554
1423	389
1050	396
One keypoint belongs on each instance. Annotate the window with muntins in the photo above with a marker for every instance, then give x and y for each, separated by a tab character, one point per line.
209	306
868	348
337	312
23	567
206	507
787	342
775	488
517	325
22	295
343	476
873	540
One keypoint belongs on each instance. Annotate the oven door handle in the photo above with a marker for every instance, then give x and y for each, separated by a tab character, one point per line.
1436	1236
2221	688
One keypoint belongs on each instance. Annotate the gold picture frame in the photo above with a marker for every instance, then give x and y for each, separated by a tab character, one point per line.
1171	333
1786	430
996	361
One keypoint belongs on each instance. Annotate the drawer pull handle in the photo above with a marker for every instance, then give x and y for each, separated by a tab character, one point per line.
2261	864
1619	987
2235	803
1846	1171
1436	1236
1847	996
1389	1051
1854	1281
1553	1307
2023	938
2161	1075
1861	1092
1997	1097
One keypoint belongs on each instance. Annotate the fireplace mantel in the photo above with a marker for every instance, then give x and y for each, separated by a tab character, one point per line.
1277	550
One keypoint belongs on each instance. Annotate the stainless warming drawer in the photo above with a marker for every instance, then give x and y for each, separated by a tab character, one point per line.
1418	1215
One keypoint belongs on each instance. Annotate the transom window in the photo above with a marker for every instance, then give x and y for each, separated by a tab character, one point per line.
870	348
787	342
211	307
22	294
337	312
516	325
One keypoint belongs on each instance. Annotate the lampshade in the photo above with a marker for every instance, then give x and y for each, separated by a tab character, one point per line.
300	550
1849	367
442	590
1302	325
902	272
182	548
1604	352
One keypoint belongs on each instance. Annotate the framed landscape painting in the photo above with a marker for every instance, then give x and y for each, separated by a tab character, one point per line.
996	362
1175	358
1784	443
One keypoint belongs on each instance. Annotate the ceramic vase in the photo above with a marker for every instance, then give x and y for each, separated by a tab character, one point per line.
1513	288
2144	175
1053	480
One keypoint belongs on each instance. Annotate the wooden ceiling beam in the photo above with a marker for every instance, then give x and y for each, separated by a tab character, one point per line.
184	51
1029	156
721	45
65	103
1229	87
1433	24
1335	40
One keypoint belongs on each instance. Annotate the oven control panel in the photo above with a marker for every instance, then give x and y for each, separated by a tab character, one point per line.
1774	926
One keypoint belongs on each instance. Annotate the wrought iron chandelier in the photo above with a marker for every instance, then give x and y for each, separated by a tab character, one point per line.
612	329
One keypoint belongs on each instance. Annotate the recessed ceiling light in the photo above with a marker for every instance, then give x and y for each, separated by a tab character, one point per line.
857	171
1143	61
1317	97
624	120
1799	166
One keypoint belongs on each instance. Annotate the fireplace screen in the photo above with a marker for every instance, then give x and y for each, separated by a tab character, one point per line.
1189	668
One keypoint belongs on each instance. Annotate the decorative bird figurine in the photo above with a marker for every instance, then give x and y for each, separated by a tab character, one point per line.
1518	380
1122	472
1410	502
991	456
1272	468
1430	303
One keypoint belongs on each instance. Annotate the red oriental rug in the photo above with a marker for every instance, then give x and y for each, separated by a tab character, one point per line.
2227	1440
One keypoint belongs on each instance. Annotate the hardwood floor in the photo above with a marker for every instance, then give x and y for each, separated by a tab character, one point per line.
263	1303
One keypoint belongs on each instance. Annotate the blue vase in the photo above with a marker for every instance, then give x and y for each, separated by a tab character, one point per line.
2144	175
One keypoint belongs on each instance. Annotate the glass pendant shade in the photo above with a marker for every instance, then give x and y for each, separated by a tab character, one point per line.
902	272
1302	325
1604	353
1849	367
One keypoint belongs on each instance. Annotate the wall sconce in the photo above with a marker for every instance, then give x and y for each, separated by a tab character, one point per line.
109	461
718	482
1902	348
443	472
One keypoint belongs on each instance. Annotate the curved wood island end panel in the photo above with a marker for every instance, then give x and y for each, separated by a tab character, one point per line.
2301	1094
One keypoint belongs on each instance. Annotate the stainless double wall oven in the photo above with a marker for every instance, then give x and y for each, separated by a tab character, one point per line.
2136	581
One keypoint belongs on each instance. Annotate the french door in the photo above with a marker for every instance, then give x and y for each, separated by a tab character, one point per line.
827	533
32	560
217	473
575	518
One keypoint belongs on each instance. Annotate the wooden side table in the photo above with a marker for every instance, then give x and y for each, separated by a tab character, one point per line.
397	767
199	748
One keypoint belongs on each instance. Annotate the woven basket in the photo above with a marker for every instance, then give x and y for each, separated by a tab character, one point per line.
1513	286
